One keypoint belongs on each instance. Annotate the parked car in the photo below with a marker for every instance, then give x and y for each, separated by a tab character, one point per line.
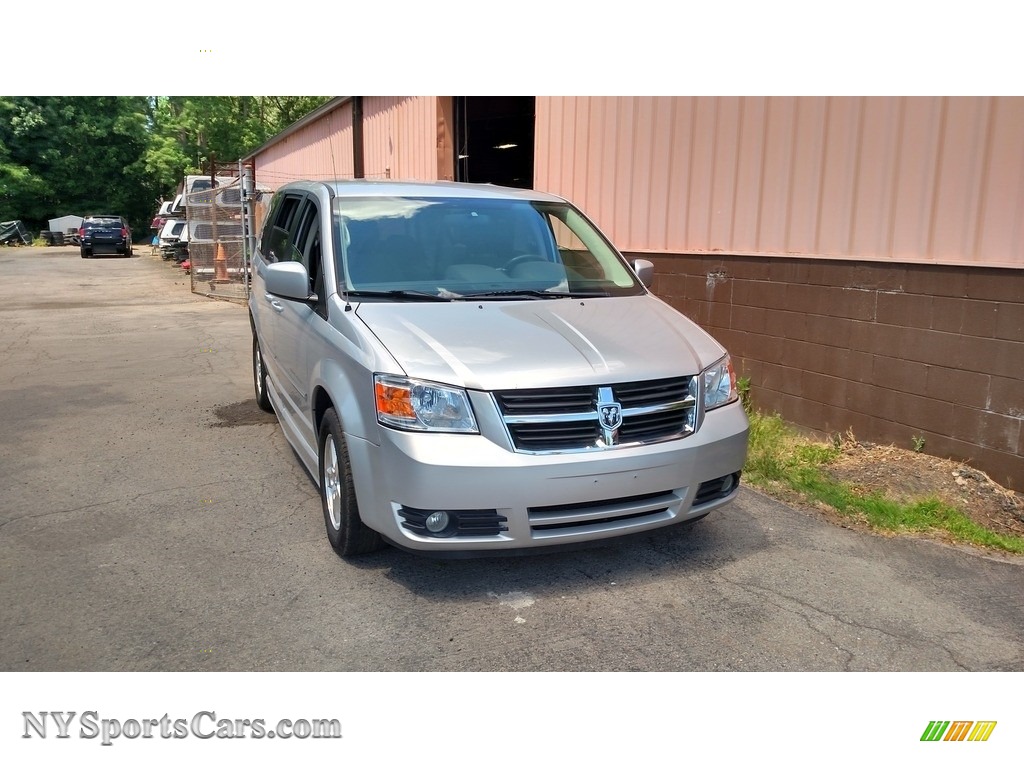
105	233
474	369
174	240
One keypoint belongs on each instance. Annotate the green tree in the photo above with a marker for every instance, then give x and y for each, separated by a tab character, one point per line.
74	155
120	154
226	128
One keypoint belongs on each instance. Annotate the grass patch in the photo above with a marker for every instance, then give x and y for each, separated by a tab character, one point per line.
781	460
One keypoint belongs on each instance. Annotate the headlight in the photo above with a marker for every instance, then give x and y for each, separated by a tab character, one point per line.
421	405
719	384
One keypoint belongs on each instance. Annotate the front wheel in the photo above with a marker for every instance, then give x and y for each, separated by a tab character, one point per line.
259	377
345	529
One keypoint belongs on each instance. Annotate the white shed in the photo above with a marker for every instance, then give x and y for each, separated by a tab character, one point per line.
65	223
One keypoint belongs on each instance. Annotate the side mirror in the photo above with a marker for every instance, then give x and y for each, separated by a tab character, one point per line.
644	270
289	280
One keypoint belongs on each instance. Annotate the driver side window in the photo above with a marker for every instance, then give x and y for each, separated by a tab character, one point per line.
308	242
278	243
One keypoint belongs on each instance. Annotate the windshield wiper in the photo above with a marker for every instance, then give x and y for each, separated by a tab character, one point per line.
512	293
398	295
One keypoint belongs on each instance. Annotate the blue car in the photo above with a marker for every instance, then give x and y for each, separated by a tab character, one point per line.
105	234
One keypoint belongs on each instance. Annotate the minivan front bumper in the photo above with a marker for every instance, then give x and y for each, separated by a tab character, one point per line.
511	501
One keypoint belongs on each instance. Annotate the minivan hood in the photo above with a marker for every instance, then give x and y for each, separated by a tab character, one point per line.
493	345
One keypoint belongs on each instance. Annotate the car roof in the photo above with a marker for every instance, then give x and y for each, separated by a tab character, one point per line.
388	188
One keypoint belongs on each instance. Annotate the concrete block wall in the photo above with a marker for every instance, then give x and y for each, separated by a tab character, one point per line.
892	352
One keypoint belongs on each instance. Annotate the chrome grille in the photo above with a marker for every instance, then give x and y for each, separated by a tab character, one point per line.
565	419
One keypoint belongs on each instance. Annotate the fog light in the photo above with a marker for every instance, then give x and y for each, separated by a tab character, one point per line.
436	522
728	483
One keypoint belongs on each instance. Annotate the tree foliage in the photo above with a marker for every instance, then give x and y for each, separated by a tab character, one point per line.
120	154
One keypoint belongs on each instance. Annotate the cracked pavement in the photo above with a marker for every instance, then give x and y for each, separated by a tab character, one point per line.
152	519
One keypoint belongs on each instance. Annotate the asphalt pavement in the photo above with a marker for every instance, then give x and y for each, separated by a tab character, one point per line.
152	518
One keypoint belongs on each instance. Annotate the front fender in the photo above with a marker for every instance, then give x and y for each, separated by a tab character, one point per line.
342	377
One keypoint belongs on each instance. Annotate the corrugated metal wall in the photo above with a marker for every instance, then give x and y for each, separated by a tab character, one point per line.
399	136
898	179
320	150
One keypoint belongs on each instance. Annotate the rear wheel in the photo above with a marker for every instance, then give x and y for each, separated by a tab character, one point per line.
345	529
85	253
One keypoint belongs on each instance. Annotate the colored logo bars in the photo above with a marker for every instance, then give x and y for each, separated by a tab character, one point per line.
958	730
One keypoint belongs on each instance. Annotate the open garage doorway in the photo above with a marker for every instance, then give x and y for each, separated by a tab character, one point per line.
494	137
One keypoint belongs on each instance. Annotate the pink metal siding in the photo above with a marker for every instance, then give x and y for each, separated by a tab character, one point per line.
915	176
399	142
1002	207
900	179
400	137
320	150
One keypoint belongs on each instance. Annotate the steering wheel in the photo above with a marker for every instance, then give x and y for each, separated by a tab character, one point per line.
515	261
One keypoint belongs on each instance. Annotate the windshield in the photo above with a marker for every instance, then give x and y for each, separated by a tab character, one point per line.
454	248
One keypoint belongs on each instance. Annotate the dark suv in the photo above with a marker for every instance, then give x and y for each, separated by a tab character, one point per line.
105	234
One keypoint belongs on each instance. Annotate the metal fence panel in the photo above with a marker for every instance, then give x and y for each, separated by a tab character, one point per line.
220	268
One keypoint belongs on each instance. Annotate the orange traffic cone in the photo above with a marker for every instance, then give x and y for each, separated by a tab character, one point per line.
220	264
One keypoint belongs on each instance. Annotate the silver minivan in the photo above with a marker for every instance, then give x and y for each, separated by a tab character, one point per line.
465	368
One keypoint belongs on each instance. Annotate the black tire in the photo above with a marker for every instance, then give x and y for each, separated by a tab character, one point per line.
259	377
85	253
345	529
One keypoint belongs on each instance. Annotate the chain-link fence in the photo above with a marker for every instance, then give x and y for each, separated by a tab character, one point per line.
217	242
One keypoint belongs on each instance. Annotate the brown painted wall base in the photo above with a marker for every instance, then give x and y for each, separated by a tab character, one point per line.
893	352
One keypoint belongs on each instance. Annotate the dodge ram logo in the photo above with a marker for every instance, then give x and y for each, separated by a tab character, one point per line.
611	416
